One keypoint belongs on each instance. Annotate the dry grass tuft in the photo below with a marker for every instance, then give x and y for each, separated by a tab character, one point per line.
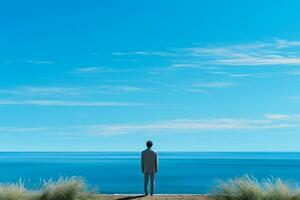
249	188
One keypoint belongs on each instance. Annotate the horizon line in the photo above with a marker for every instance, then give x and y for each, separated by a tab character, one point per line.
157	151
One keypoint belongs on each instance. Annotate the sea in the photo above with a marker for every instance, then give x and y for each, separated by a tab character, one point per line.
120	172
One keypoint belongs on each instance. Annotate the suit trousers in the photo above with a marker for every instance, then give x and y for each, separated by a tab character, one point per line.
146	180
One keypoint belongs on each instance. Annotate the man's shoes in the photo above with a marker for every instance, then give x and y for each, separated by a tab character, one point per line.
151	194
146	193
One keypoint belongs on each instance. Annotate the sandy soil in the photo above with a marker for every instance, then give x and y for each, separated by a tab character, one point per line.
155	197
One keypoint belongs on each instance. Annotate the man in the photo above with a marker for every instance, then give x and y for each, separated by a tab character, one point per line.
149	166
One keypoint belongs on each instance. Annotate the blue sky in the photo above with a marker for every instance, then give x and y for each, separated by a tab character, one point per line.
189	75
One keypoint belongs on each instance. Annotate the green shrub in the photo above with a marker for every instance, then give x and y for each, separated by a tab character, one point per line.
249	188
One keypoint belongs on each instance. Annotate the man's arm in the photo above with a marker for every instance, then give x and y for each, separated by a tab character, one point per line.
142	162
156	164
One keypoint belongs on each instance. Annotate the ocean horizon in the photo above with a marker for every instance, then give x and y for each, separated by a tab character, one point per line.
120	172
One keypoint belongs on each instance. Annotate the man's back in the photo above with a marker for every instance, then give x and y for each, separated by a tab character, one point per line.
149	166
149	161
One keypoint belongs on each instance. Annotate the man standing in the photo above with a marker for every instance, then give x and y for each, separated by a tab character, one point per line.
149	166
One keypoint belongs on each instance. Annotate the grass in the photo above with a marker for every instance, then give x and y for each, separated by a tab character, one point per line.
249	188
72	188
14	192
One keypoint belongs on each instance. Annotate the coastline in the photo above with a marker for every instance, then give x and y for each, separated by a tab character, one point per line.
154	197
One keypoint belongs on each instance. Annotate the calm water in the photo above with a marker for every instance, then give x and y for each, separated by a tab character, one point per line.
120	172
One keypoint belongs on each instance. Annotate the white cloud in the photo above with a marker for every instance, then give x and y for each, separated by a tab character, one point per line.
193	87
129	88
253	60
257	75
69	91
275	52
31	90
215	84
93	70
270	121
24	129
38	62
242	75
88	69
195	90
67	103
145	53
198	125
277	116
174	125
286	44
182	65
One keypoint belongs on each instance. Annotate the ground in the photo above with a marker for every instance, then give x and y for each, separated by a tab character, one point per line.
155	197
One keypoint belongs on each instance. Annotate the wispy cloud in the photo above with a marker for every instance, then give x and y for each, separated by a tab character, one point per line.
274	52
204	87
24	129
242	75
256	75
278	116
286	44
37	62
254	60
186	125
118	89
9	102
145	53
193	87
270	121
184	65
200	125
195	90
89	69
214	84
94	70
69	91
32	90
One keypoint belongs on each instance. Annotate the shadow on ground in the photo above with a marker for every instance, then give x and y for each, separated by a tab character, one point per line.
131	197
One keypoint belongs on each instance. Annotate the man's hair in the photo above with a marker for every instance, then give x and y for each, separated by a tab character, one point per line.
149	144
